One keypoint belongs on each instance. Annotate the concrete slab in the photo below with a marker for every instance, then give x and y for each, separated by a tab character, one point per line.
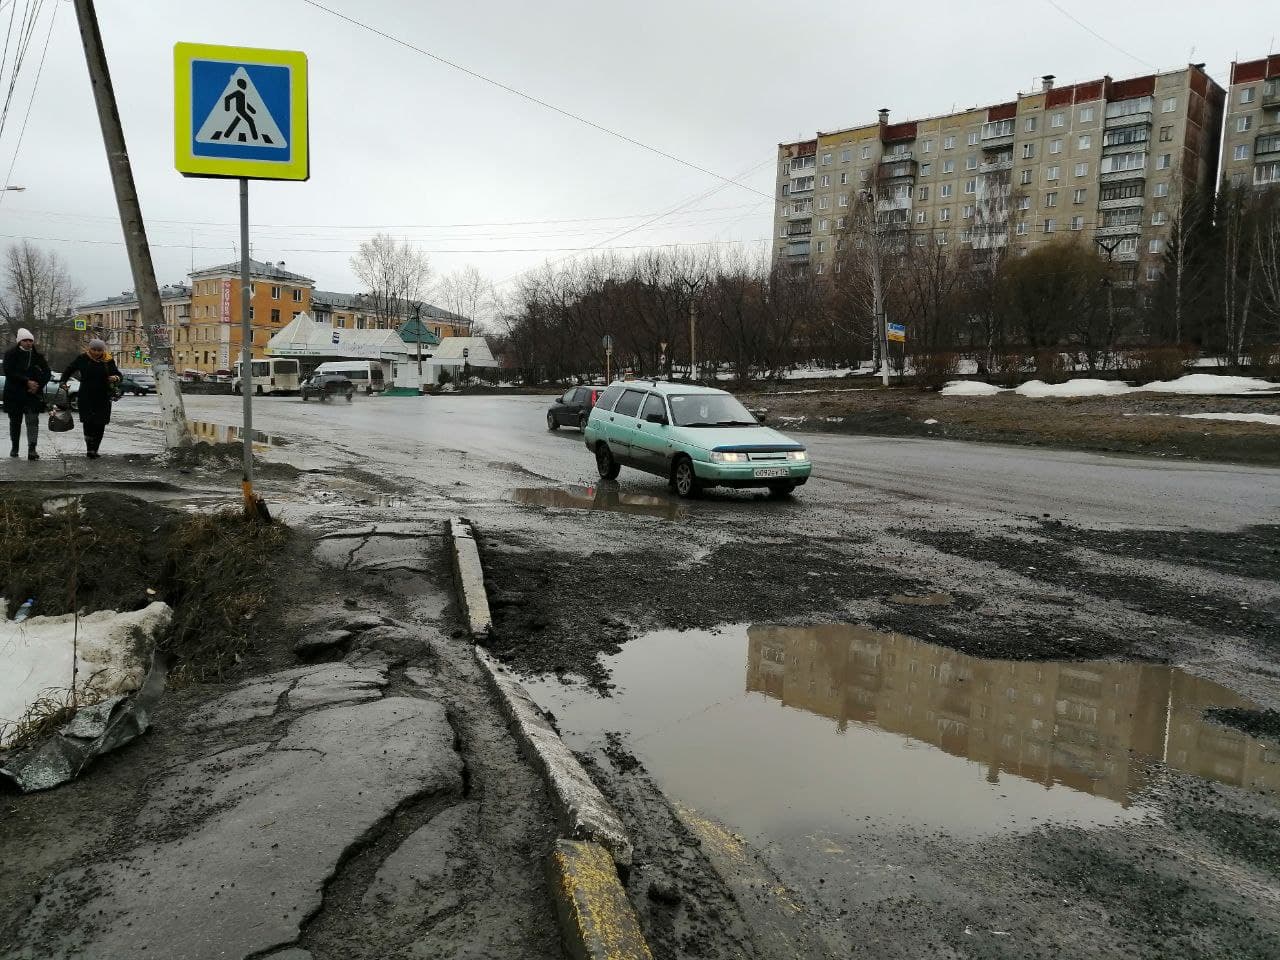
596	919
469	575
268	831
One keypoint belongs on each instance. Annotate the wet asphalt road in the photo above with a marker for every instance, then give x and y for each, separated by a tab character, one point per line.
403	438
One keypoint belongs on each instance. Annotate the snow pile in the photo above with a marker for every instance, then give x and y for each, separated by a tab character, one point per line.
1269	418
37	655
969	388
1210	383
1074	388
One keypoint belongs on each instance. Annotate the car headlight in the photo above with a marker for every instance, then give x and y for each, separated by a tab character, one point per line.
728	456
797	454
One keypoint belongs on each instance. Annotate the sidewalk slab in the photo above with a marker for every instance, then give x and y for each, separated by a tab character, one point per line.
596	919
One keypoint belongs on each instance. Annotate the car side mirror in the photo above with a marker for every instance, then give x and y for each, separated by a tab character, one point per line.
657	418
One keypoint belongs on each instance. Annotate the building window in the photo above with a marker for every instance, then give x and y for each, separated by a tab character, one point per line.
1030	125
1049	225
945	191
824	203
1169	105
968	211
297	314
1079	195
840	223
822	246
971	163
948	166
922	216
1055	146
844	177
826	179
948	143
819	268
1241	152
253	289
971	186
1077	223
866	152
1024	203
1026	177
1155	246
1244	124
1051	198
1162	190
275	293
972	138
942	239
1058	120
1248	94
1021	229
297	296
251	316
1166	134
1164	161
275	315
846	156
1128	245
920	238
923	193
1084	143
1153	273
1086	114
1082	169
1159	218
864	175
944	214
1051	173
1028	151
926	169
927	147
826	159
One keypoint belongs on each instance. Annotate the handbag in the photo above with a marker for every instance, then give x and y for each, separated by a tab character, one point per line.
60	419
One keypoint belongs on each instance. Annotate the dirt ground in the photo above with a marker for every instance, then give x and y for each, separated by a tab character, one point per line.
1134	423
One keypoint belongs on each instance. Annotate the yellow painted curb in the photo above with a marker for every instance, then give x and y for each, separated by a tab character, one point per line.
596	919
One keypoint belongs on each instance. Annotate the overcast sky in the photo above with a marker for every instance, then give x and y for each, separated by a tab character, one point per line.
403	143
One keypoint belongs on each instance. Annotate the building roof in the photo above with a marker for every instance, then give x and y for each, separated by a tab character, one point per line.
305	337
168	293
362	301
262	270
415	331
478	353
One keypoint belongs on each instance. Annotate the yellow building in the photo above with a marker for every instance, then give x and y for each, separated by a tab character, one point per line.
118	321
210	340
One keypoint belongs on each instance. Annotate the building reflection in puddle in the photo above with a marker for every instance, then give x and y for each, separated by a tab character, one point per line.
1091	726
601	498
209	432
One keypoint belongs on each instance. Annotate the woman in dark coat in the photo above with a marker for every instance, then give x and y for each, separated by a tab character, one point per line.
26	372
98	378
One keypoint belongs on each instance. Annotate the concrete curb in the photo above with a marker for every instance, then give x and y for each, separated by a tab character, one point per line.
583	811
596	919
468	575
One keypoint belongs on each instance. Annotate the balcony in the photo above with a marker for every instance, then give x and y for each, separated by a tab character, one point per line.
996	165
1266	145
806	211
997	141
1271	94
1127	120
990	239
1134	173
893	203
1120	203
796	249
1128	146
1119	230
900	157
800	229
1125	256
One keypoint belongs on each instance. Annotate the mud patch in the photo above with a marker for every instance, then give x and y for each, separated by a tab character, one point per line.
1256	723
602	498
1251	552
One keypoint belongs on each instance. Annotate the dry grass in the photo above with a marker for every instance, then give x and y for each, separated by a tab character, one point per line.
47	714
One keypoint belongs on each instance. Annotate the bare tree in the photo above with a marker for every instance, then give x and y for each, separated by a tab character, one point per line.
394	274
39	293
468	293
1267	245
1239	260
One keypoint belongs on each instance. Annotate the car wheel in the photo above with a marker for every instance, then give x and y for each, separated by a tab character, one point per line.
552	422
236	389
350	394
685	480
605	463
258	390
780	491
582	421
304	396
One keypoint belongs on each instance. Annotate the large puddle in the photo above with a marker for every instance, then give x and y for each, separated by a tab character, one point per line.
602	498
783	731
211	432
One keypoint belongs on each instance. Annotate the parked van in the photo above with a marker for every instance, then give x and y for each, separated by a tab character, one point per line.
269	376
367	375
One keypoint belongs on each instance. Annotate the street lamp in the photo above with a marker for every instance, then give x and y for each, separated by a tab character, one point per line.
16	189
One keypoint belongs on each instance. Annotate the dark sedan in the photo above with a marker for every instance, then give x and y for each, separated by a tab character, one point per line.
573	409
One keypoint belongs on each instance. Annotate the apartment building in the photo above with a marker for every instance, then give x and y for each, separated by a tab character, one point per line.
1103	160
1251	141
211	339
355	311
118	320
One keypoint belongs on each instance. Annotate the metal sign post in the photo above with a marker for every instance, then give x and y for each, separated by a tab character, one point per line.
607	342
241	113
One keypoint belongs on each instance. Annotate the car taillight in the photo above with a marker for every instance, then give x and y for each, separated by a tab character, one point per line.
595	395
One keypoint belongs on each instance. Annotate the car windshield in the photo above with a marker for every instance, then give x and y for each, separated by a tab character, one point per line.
709	410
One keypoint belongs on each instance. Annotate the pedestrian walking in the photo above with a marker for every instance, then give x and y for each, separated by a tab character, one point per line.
26	372
98	375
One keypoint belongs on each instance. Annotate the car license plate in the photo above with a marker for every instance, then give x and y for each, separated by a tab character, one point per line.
765	472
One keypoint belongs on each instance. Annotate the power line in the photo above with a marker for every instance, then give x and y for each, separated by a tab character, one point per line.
532	99
30	102
1084	26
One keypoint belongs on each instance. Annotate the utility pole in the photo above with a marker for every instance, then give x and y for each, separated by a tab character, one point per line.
172	414
1110	247
693	328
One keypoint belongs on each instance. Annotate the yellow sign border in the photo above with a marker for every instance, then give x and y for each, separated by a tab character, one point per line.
190	165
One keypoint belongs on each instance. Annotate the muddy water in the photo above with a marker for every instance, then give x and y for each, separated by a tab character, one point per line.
211	432
783	731
601	498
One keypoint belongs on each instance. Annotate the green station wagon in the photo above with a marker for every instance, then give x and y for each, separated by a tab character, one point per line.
696	437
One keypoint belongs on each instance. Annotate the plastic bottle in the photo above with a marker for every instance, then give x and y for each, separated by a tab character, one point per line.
24	611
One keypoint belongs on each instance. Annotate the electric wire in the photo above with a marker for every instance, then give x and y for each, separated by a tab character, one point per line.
1084	26
27	116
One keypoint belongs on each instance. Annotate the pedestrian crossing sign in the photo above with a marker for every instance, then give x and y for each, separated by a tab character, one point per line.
240	112
80	323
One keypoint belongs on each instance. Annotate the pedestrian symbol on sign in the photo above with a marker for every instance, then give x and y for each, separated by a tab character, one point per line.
241	116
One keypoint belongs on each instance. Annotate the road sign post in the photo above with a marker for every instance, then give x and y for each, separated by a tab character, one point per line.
241	113
607	342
